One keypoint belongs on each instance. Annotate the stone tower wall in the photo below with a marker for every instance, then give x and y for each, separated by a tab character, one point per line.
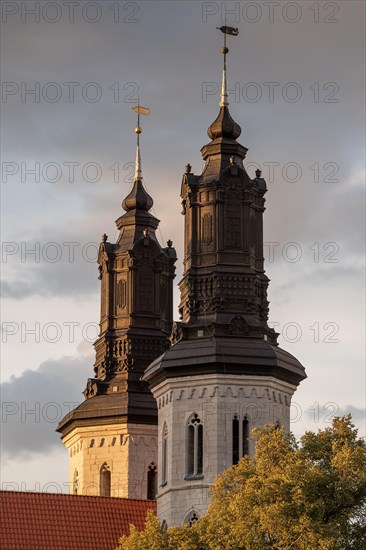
215	399
128	450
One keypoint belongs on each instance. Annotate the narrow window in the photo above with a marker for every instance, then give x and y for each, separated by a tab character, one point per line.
245	436
151	482
76	482
235	440
164	526
105	481
190	450
200	449
194	447
164	455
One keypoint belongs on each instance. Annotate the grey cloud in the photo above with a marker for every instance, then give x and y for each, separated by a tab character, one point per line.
16	290
33	403
358	415
170	81
316	275
71	280
57	268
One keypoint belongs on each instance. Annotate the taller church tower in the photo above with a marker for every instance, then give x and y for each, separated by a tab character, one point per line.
225	374
112	435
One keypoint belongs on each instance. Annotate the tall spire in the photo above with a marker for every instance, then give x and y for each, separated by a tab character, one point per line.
138	169
224	125
138	198
224	101
140	111
233	31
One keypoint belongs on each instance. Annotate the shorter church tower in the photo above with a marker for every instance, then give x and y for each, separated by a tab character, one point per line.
112	435
225	374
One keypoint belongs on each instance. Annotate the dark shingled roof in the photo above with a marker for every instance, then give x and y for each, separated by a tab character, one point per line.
44	521
220	355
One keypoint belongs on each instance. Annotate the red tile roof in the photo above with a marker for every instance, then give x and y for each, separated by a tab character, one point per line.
45	521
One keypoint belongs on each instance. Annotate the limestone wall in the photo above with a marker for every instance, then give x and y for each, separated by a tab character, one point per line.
215	399
128	450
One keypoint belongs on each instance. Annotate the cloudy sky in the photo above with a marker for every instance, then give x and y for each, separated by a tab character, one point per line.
70	73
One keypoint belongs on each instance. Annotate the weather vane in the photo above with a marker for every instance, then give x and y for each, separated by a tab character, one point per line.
233	31
140	111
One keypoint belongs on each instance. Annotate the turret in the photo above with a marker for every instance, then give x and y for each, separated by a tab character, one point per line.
114	429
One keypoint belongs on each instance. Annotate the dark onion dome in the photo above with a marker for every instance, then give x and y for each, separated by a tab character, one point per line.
224	126
138	199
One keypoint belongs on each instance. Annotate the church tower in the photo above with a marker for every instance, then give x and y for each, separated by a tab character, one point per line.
112	435
225	373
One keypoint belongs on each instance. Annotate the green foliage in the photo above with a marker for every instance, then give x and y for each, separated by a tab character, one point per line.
289	496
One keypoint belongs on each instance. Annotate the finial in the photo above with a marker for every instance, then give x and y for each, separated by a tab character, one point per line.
188	168
169	243
233	31
138	170
104	238
258	173
138	198
138	130
224	101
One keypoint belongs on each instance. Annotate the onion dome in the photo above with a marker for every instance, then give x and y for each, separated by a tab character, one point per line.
138	199
224	126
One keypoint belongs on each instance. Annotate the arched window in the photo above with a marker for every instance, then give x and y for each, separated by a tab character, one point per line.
151	482
164	525
105	481
75	486
191	517
164	454
194	447
245	435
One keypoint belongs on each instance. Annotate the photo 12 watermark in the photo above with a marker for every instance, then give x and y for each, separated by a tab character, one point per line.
294	172
271	12
74	171
53	332
75	251
274	92
52	412
66	172
32	92
292	332
70	12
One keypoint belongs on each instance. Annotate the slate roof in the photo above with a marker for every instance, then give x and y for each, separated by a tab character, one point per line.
226	355
45	521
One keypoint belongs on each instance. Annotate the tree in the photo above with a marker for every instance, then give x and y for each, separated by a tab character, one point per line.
153	538
289	496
